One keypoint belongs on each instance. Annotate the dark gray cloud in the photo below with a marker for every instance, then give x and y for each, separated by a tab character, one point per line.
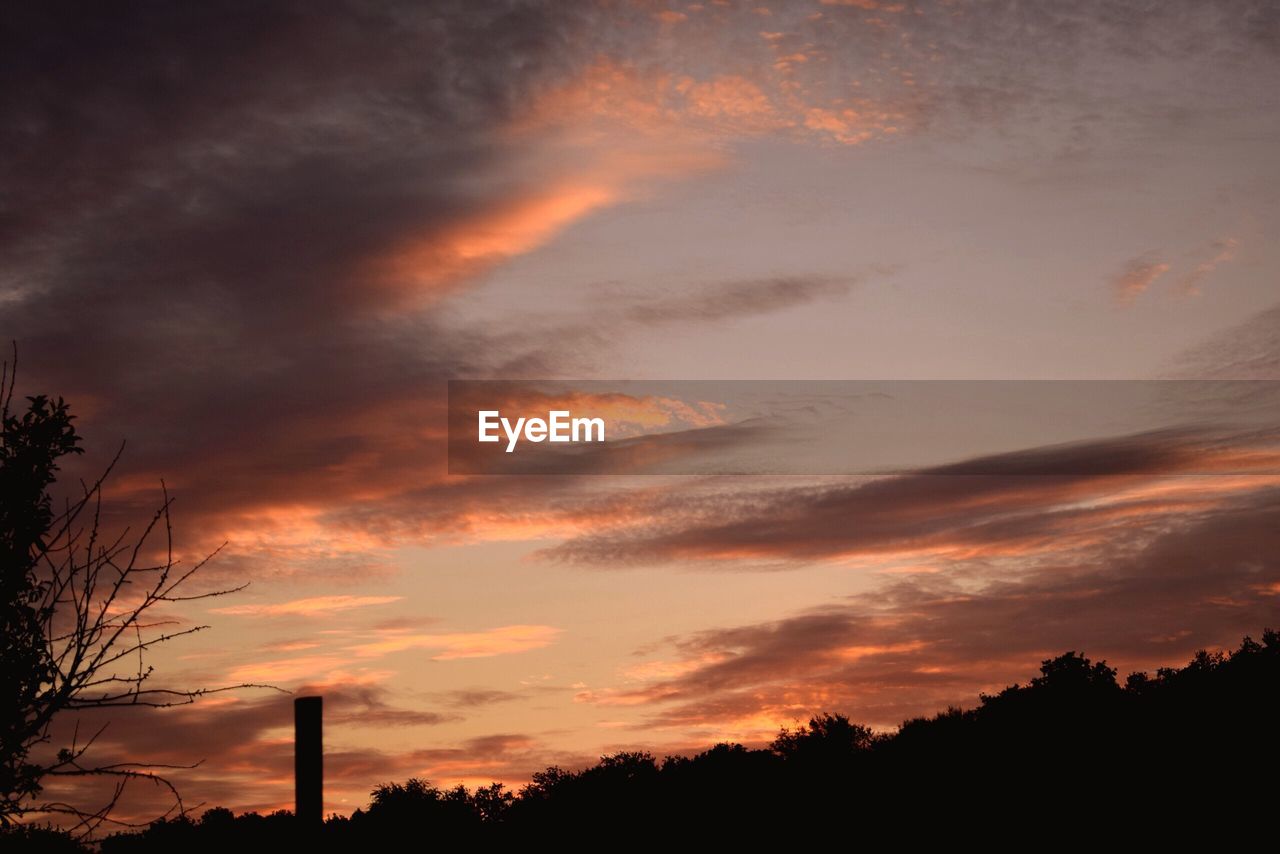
196	204
726	300
1014	502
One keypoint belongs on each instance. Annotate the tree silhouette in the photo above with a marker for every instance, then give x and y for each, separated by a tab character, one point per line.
1071	756
30	447
827	735
75	617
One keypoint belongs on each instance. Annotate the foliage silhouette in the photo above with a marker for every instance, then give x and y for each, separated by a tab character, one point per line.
1072	755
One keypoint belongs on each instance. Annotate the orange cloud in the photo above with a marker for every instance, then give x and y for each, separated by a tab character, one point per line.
729	97
704	111
472	244
1136	277
1223	250
453	645
845	125
527	223
857	651
1140	273
337	666
306	667
316	606
663	669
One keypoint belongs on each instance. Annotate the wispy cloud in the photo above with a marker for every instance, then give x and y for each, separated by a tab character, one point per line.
475	697
447	646
1136	277
726	300
947	512
332	667
314	606
1218	252
1140	273
337	660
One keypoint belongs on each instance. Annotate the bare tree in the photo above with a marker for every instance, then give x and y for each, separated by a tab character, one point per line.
78	612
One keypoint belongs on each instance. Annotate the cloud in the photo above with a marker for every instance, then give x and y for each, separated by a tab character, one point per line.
282	671
244	267
1136	277
339	660
315	606
504	640
1140	273
1027	502
726	300
474	697
259	244
290	645
246	279
922	642
696	105
1218	252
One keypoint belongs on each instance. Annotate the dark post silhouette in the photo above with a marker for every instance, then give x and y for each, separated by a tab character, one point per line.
308	760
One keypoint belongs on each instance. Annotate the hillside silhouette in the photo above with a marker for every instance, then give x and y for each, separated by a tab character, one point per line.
1072	754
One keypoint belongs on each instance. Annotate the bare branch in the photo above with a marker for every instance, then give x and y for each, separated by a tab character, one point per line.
88	604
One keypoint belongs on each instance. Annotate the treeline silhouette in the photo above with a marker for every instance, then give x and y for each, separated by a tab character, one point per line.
1073	754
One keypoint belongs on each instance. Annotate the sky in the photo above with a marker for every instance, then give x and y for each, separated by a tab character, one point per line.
256	242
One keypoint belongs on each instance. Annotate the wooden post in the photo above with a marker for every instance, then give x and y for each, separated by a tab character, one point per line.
308	760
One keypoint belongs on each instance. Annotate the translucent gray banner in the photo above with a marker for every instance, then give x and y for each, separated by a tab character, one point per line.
865	427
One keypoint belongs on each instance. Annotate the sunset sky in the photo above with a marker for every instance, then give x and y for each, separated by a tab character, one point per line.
257	242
